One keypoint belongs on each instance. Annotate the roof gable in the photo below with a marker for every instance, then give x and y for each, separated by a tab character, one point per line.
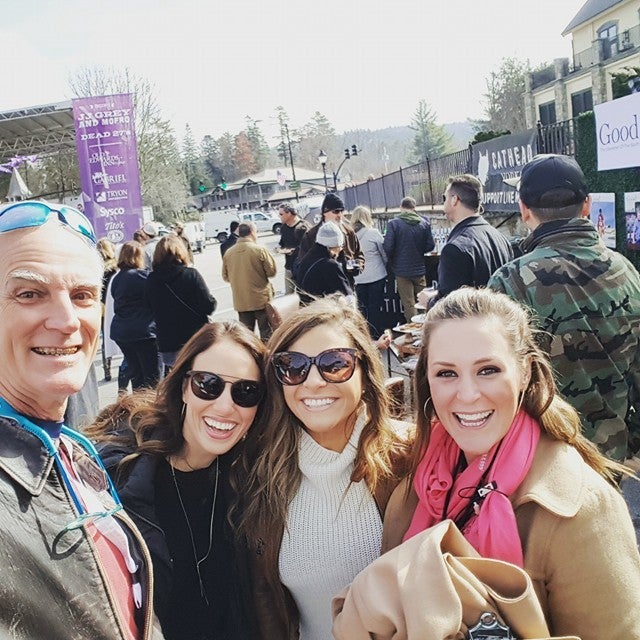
589	10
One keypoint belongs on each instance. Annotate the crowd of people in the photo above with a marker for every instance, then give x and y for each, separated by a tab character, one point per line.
254	485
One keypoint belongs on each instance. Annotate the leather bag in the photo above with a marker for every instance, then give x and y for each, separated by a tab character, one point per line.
435	586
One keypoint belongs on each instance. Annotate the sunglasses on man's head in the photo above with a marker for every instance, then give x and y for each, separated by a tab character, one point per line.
209	386
335	365
20	215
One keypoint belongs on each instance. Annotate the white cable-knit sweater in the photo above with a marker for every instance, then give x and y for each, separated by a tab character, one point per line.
330	535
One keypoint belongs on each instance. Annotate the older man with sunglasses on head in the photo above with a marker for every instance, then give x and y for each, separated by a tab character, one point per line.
74	566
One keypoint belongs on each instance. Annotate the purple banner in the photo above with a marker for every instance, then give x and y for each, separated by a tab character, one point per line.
108	161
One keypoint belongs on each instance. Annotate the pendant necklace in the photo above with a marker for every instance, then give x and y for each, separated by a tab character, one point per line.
197	560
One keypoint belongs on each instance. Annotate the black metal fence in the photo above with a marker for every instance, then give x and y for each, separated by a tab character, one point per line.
559	137
425	181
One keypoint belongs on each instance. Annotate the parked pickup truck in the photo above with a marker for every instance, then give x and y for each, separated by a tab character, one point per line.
217	222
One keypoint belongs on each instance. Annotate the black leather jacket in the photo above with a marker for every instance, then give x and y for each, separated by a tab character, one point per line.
52	582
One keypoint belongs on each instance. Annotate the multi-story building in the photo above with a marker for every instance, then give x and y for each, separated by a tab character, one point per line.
606	41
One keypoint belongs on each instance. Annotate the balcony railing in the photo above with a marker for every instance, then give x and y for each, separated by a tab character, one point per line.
606	48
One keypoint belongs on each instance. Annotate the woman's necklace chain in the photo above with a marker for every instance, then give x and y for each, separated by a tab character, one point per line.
198	561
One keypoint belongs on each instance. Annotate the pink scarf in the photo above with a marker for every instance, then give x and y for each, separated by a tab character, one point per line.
492	530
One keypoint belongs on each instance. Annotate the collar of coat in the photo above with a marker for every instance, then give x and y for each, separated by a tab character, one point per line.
571	226
556	480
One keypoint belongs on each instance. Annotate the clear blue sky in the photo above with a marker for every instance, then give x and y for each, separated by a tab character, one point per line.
362	64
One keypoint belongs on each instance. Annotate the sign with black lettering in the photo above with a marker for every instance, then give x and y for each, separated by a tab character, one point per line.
618	133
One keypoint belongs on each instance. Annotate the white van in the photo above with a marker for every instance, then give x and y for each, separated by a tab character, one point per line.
194	233
216	224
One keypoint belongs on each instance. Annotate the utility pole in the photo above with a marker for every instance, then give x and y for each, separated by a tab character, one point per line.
293	169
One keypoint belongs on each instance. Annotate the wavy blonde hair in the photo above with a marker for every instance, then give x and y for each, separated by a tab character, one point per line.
272	471
541	401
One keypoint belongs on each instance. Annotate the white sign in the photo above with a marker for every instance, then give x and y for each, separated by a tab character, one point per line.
618	133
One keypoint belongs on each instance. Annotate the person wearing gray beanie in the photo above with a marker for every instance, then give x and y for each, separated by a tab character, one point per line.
319	272
330	235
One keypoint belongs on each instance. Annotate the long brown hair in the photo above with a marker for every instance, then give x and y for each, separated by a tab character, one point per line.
273	474
540	400
151	422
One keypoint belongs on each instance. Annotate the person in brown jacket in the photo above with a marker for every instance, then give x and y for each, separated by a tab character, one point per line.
247	267
500	454
320	476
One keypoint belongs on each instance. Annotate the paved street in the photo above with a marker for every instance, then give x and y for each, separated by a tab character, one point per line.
209	263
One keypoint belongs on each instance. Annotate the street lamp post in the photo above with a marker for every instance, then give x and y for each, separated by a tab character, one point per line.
322	159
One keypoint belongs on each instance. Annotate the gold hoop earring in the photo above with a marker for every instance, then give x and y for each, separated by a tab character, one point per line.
424	408
183	412
520	401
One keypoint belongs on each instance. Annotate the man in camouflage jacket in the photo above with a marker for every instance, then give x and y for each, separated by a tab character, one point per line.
586	298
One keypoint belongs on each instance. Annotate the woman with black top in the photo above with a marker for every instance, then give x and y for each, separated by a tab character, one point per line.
319	273
171	455
133	327
178	296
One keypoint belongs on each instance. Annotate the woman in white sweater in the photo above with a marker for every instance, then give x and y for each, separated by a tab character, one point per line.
320	479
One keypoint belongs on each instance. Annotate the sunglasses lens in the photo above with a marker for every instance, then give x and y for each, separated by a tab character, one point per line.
246	393
19	216
209	386
78	222
206	386
336	366
34	214
291	368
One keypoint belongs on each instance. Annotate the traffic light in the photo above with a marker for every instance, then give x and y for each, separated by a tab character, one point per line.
354	150
201	187
346	153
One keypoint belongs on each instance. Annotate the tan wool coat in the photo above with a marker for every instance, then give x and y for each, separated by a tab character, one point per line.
247	267
579	544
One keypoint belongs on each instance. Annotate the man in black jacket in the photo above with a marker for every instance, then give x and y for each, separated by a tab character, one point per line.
232	239
474	249
74	564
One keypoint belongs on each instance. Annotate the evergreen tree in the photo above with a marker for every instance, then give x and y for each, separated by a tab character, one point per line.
259	146
431	139
211	160
283	122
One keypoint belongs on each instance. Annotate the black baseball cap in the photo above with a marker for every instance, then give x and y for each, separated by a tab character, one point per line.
547	172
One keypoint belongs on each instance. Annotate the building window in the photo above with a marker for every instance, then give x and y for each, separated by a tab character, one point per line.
547	113
608	40
581	102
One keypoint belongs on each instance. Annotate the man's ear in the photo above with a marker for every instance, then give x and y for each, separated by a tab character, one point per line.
528	216
586	208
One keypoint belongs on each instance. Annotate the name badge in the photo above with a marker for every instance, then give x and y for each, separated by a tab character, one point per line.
488	628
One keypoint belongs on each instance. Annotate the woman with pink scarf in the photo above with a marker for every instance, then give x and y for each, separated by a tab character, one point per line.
500	454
